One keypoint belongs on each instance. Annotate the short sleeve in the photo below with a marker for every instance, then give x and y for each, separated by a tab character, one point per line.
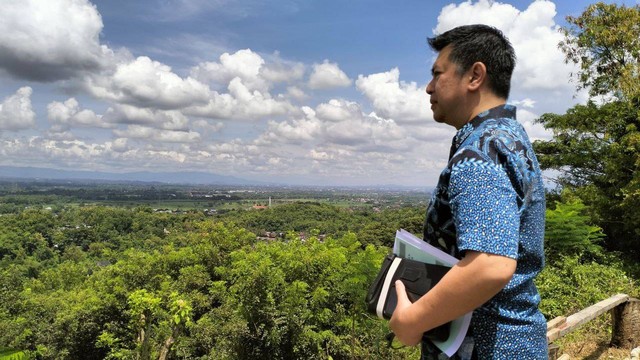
484	208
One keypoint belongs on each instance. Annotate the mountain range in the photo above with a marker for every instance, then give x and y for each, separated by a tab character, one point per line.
191	177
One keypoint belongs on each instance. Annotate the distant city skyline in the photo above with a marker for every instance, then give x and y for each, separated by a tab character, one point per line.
290	92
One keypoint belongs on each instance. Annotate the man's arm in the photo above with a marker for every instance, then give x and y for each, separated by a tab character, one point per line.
470	283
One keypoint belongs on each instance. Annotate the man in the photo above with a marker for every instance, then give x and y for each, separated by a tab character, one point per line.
487	210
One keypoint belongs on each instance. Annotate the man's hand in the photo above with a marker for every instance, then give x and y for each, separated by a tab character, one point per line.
403	320
470	283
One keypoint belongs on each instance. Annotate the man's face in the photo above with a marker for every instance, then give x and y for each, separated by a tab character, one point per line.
447	90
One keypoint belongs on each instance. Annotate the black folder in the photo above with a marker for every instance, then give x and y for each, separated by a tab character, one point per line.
418	279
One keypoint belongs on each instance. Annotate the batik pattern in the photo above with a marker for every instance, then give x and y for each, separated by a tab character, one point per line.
490	198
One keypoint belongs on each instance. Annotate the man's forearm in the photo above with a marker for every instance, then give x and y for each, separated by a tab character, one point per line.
469	284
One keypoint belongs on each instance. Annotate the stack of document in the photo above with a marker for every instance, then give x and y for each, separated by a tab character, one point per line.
408	246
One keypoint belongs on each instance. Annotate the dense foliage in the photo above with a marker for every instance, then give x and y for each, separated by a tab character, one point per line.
99	282
596	146
371	227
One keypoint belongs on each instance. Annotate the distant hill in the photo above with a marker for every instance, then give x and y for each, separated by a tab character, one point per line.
15	172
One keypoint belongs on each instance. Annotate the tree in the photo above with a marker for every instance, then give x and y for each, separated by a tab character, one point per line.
604	40
568	232
595	146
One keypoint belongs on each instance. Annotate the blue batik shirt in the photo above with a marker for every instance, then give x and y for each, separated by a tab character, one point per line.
490	198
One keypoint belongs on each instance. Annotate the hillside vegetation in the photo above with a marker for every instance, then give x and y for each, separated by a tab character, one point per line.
99	282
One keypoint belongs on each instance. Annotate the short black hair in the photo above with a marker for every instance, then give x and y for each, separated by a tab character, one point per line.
483	43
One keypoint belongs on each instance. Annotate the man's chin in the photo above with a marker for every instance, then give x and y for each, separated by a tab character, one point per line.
438	119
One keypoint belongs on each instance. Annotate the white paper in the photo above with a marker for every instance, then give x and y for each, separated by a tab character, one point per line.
408	246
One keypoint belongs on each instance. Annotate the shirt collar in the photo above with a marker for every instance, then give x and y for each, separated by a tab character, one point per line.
500	111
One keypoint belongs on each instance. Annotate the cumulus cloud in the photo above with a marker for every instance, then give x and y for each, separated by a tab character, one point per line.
296	93
525	103
157	135
533	33
50	40
339	123
392	98
243	64
207	126
119	145
148	83
295	131
254	71
88	155
278	70
240	103
16	112
338	110
328	75
159	119
53	151
434	134
64	115
535	130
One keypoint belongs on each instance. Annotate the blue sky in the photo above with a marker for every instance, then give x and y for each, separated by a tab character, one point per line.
293	91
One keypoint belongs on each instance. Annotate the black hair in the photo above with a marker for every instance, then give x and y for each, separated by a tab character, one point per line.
480	43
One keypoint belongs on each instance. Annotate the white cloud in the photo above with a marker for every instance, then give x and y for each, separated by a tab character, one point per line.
50	40
119	145
240	103
278	70
296	131
320	155
340	123
532	32
338	110
67	114
395	99
434	134
159	119
243	64
296	93
38	150
349	132
328	75
526	103
255	72
147	83
151	134
208	127
535	130
16	112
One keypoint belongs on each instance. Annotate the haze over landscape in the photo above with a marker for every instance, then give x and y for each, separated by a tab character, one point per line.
293	92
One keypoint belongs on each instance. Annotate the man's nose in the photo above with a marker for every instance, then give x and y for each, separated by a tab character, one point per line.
429	88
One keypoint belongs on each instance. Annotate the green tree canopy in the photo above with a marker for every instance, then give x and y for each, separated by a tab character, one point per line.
605	41
596	146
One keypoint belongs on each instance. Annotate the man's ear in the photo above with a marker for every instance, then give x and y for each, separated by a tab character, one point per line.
477	75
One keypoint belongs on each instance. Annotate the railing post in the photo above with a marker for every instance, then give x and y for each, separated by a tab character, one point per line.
553	351
626	324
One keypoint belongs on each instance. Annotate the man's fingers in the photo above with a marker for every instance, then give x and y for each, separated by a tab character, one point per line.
401	293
